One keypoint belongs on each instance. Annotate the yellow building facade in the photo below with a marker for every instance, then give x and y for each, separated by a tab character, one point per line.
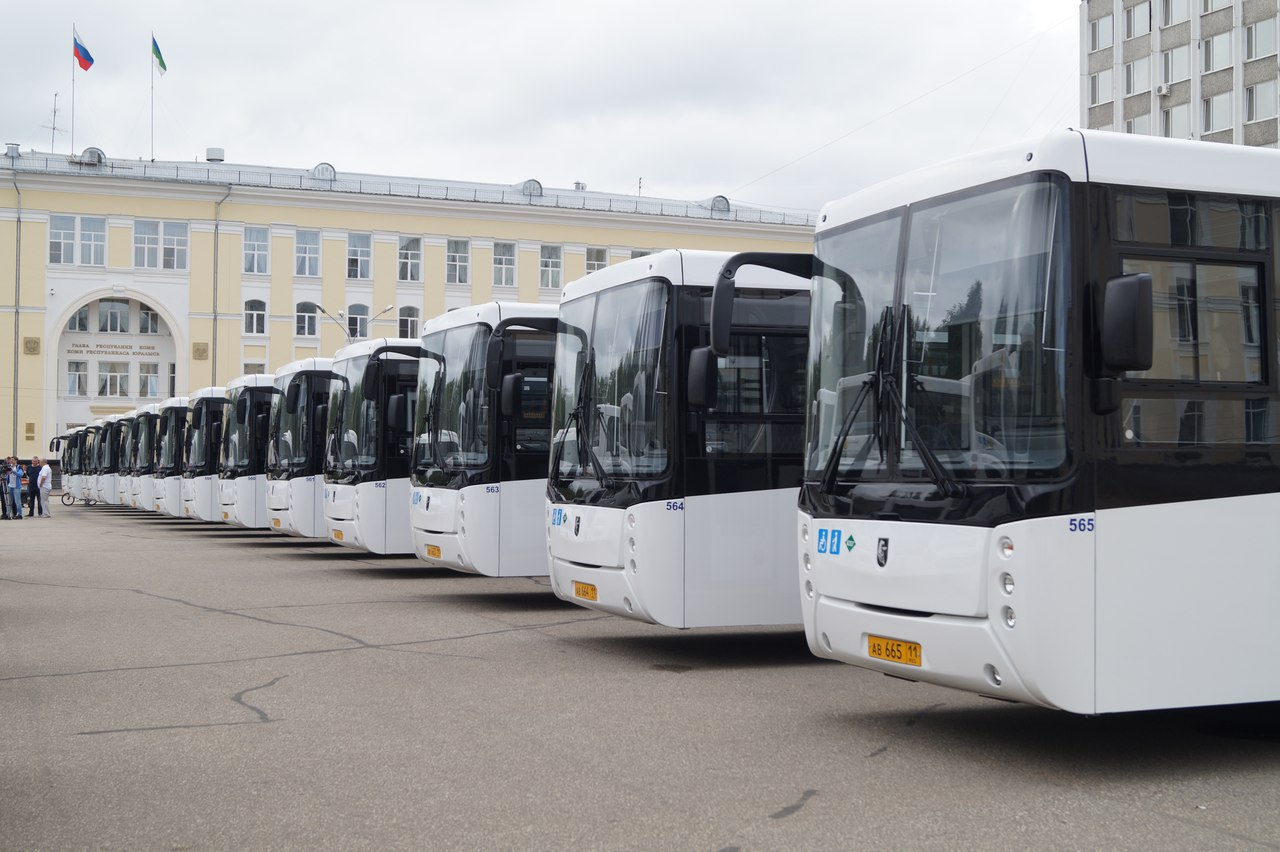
124	282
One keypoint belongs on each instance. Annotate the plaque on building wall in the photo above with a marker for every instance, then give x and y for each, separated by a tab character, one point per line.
200	352
30	346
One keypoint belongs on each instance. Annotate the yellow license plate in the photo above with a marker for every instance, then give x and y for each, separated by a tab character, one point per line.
275	522
226	516
586	591
337	535
893	650
433	551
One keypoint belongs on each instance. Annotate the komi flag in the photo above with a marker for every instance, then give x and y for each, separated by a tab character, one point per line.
82	54
155	54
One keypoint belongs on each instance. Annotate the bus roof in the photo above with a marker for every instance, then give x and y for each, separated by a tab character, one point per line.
151	408
205	393
368	347
252	380
1098	156
174	402
320	365
488	313
683	268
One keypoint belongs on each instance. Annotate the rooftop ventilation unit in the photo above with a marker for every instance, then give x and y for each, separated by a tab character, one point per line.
720	204
215	155
324	171
11	150
531	188
579	186
92	157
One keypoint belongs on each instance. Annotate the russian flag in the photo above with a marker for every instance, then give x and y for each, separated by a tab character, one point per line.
82	54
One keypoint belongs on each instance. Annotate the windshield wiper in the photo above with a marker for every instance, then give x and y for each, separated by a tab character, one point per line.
578	416
871	386
940	475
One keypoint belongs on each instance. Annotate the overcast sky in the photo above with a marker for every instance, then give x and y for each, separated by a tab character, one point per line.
786	103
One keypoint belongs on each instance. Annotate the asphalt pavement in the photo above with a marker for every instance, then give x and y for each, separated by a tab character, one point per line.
171	685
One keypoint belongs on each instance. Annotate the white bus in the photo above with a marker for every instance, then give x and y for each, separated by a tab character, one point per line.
72	462
171	430
142	457
205	410
370	437
110	451
242	473
94	434
295	447
1094	529
673	477
481	439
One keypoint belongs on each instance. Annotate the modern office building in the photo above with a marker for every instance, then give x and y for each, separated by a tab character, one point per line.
1190	69
124	282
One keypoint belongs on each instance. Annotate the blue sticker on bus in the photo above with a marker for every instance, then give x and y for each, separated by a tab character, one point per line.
835	542
822	541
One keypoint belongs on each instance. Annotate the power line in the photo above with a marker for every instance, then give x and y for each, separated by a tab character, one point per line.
903	105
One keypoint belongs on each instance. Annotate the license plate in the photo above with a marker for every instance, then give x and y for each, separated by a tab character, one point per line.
586	591
337	535
433	551
275	522
893	650
226	516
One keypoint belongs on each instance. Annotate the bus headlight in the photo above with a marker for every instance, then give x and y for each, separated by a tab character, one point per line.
804	533
1006	583
1006	547
1010	617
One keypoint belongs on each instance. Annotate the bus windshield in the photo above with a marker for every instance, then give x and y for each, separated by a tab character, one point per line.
144	460
452	426
964	370
357	410
609	415
292	440
205	413
170	431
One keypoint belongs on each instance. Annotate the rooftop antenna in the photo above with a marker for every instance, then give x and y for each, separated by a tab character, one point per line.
52	126
640	187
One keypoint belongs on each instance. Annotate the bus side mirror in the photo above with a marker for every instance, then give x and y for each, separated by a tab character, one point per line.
260	424
242	409
493	363
512	399
1126	323
395	411
215	434
370	377
703	375
291	397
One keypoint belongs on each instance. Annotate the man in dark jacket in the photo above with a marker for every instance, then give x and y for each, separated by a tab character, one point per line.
33	487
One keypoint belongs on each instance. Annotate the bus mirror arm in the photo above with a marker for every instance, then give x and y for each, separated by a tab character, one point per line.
799	265
703	375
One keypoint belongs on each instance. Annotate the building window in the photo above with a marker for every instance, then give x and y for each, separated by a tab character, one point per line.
93	241
146	245
256	243
1137	20
359	256
255	317
1137	76
646	252
173	380
357	321
1215	5
504	264
149	380
62	239
79	320
113	315
1260	39
1140	124
1177	64
306	254
1100	87
77	378
410	265
1175	122
456	262
148	320
254	368
1217	52
1255	421
306	319
1250	313
113	378
1217	112
1100	33
549	268
597	258
409	322
175	246
1260	101
1175	12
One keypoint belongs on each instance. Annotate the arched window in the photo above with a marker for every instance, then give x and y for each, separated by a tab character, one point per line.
357	321
306	319
255	317
409	322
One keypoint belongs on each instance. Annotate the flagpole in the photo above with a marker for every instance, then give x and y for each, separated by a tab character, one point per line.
152	63
73	89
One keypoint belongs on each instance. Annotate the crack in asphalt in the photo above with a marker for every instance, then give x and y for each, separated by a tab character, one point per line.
791	809
262	714
406	647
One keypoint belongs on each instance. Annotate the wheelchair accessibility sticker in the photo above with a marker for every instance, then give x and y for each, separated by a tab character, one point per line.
831	540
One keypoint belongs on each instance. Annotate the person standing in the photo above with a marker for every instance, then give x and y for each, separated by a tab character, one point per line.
44	480
13	485
4	490
33	488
